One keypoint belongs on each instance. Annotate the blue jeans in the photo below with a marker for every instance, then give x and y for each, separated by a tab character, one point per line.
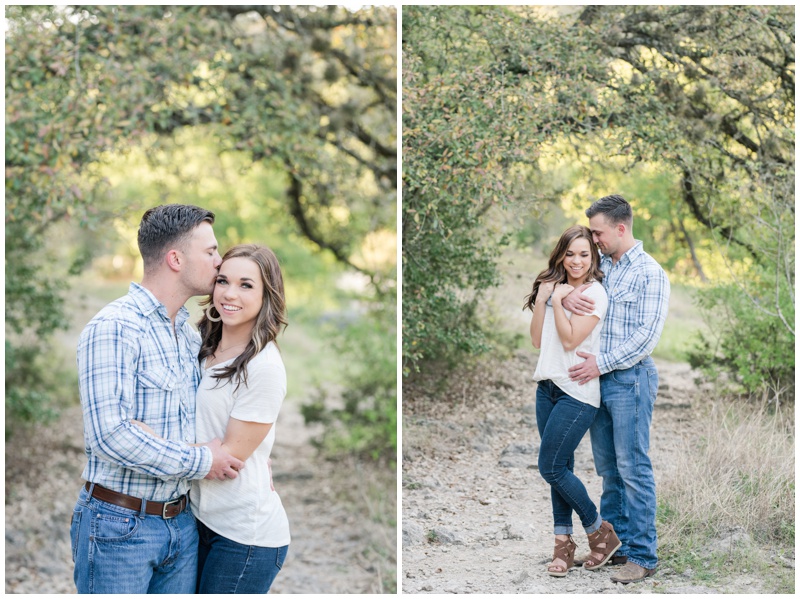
620	443
226	567
117	550
562	421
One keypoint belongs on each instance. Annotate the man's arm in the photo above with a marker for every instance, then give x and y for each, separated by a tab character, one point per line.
107	384
224	466
579	303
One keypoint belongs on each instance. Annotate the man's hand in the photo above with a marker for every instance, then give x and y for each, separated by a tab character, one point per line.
578	303
224	466
586	370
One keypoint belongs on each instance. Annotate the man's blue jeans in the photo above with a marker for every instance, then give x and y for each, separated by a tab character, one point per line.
563	421
117	550
620	444
227	567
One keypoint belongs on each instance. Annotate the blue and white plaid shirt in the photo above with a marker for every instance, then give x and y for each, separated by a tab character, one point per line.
133	367
638	299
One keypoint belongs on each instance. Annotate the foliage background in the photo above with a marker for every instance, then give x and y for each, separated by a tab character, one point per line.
279	119
516	118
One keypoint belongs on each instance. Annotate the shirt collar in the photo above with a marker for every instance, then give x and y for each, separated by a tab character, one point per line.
631	255
147	303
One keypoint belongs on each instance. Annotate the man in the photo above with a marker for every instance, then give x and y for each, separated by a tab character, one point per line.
638	294
132	531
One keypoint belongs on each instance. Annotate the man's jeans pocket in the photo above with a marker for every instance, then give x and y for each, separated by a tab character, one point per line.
111	528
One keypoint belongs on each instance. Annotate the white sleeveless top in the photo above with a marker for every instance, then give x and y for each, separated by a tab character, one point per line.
247	509
555	362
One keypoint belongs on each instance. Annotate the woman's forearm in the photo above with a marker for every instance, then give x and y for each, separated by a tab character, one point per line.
564	327
572	331
537	322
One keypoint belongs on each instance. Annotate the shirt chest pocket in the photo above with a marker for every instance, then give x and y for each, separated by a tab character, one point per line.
624	294
156	380
155	388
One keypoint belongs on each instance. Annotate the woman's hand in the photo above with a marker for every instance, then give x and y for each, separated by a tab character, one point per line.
545	290
561	291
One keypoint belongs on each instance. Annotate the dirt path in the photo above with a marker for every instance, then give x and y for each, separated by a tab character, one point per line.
337	544
476	513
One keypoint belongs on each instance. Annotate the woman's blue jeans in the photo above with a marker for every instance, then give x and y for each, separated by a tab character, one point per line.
562	421
225	567
620	444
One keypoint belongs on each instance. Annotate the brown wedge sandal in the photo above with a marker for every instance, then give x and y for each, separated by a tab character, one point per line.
565	551
617	560
603	541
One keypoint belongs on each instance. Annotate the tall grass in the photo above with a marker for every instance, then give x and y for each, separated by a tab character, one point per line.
736	471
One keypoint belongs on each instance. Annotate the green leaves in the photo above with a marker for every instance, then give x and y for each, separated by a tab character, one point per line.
700	99
308	92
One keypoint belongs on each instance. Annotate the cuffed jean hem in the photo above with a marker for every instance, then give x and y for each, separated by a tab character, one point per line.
594	527
568	530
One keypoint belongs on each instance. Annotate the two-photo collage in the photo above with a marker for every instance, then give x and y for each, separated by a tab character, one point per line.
400	299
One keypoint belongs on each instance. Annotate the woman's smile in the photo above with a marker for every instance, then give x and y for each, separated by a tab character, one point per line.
577	261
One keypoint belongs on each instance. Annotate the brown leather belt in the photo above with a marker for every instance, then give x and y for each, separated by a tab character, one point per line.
166	510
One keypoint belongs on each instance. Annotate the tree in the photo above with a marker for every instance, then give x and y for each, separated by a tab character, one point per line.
309	91
705	93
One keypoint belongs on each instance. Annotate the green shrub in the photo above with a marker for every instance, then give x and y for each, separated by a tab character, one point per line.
366	423
747	340
34	388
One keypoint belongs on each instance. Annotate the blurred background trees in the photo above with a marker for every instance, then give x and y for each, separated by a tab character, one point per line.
282	120
516	118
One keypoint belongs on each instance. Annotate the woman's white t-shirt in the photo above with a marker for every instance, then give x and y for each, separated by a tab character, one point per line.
555	362
247	509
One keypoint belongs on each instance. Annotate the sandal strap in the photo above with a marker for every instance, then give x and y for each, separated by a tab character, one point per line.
603	541
599	539
565	551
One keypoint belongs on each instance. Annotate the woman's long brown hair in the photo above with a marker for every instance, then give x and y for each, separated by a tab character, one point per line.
555	270
269	322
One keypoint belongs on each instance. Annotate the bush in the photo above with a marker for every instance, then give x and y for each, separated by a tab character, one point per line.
366	424
34	389
747	341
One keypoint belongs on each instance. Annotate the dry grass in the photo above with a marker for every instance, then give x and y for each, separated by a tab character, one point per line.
372	497
736	472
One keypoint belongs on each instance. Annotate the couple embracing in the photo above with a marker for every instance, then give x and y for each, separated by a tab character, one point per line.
596	320
151	386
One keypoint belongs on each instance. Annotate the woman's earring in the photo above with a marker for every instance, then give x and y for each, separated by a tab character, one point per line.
208	315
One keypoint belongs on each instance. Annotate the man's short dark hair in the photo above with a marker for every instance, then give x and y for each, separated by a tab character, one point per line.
166	226
615	208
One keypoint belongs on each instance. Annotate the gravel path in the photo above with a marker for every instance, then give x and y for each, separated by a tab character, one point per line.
340	541
476	513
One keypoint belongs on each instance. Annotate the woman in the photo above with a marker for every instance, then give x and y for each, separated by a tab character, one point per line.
564	409
244	532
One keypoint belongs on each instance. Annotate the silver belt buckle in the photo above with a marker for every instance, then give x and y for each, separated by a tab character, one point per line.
166	505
